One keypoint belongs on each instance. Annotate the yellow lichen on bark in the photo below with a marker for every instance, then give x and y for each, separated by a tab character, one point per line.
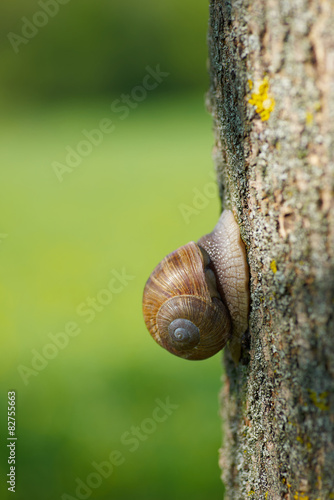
262	100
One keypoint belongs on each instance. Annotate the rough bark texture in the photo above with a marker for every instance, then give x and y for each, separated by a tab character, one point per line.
277	176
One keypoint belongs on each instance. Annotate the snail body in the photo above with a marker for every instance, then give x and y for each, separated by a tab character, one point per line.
197	299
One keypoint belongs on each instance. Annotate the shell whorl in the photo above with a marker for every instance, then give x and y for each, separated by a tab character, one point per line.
182	308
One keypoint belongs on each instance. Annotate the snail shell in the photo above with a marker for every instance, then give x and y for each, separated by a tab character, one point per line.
197	298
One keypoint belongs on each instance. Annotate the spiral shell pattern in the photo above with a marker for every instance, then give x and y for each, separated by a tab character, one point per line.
181	312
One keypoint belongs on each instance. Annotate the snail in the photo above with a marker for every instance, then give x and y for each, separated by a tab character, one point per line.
197	299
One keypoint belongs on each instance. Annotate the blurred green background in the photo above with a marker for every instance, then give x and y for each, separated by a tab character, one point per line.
71	220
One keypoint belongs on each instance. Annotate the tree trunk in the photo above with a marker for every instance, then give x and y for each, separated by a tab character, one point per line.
272	100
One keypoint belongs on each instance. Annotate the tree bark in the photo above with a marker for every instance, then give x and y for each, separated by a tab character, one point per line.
272	101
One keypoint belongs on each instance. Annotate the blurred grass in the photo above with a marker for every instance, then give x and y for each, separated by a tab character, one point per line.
97	48
118	209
